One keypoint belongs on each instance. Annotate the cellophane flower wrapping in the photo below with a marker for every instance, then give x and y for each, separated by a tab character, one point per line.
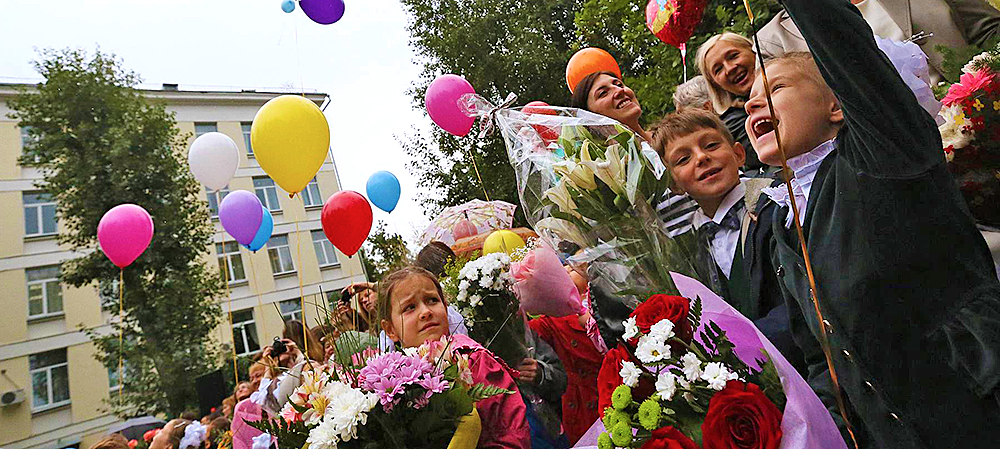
970	135
804	420
587	179
414	398
484	295
542	284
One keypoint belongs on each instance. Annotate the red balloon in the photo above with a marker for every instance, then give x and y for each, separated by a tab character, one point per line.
464	228
347	220
673	21
548	133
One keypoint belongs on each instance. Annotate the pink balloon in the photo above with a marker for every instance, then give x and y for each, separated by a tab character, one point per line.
124	233
441	101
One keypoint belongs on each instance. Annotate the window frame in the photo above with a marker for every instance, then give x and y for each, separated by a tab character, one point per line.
324	245
245	127
45	293
291	315
40	214
48	370
198	134
242	326
27	139
277	250
263	191
228	255
218	196
312	187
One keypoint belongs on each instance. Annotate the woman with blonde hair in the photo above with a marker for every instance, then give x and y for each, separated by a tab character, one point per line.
729	65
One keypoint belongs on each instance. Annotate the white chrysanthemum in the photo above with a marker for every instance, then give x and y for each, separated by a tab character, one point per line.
323	436
631	330
692	366
663	329
348	409
652	349
630	374
666	385
716	374
485	281
464	285
474	300
951	131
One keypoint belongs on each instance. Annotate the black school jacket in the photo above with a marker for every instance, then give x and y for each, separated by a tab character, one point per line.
905	280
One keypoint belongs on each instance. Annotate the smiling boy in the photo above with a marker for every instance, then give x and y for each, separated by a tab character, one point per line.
704	162
910	301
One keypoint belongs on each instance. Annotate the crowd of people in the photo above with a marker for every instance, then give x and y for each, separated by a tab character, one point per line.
906	281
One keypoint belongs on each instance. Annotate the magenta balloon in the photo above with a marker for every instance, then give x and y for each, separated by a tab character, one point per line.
124	233
323	12
441	101
241	215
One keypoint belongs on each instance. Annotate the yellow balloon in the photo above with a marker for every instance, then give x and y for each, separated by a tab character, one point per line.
290	137
502	241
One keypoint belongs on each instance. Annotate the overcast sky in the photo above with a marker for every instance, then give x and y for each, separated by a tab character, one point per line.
363	62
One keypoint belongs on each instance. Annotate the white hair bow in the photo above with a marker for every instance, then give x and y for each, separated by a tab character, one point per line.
194	435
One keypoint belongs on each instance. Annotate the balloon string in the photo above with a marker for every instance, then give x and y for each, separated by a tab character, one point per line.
229	299
787	175
121	334
256	288
492	209
302	297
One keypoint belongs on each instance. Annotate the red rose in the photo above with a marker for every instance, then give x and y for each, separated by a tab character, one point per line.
661	307
148	436
741	417
132	444
668	438
608	378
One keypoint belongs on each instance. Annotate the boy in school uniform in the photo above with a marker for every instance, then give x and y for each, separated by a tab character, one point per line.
905	282
732	221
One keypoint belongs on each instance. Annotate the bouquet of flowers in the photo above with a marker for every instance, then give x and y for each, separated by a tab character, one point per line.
971	135
417	398
695	373
661	384
587	179
484	296
542	284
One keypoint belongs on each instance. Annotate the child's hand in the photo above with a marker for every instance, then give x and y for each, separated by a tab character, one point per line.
529	371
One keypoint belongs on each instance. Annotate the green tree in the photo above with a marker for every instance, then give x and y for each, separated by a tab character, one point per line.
518	46
100	143
383	253
522	46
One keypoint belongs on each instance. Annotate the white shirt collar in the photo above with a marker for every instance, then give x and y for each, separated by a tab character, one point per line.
724	242
736	194
805	167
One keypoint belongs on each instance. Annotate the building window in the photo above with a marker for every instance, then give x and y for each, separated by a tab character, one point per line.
44	292
311	196
39	214
324	250
267	193
246	136
230	258
27	140
280	254
49	379
114	381
215	199
291	309
107	291
245	332
204	128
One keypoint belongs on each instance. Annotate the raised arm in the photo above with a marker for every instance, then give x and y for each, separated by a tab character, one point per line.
887	133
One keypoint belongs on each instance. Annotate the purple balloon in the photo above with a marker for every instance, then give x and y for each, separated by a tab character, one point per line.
323	12
241	215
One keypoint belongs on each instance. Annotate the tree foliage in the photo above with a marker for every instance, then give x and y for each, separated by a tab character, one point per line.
100	143
522	46
383	253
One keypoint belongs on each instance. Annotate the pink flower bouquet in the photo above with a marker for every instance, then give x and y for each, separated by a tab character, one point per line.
543	286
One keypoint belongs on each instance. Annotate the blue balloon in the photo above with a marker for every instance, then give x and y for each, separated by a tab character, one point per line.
288	6
383	190
264	231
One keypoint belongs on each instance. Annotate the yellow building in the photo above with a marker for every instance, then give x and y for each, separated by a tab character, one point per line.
51	387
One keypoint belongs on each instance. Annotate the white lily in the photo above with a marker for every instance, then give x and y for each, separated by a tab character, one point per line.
581	175
562	228
611	170
559	194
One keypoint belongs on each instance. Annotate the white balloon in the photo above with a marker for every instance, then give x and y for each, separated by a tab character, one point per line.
214	159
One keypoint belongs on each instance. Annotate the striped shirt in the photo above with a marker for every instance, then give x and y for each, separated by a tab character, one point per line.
676	212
